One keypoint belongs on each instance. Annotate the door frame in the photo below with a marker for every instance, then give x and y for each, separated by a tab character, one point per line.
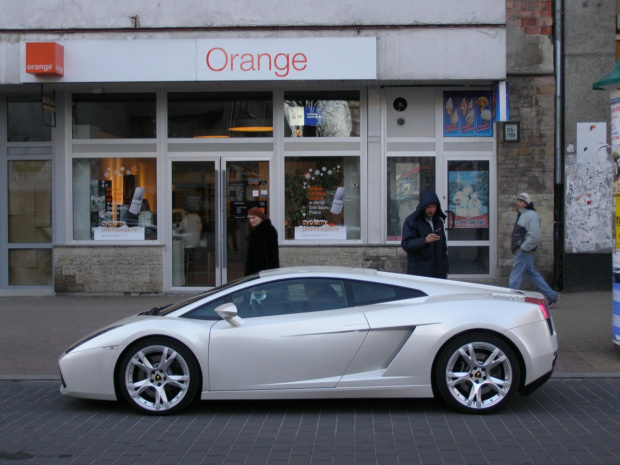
166	236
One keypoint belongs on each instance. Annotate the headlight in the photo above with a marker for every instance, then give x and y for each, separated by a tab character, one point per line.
88	338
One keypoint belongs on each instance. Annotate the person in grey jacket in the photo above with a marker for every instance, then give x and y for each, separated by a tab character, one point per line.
524	243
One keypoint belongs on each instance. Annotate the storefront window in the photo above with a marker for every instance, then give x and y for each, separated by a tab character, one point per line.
322	114
25	121
407	178
322	198
114	116
222	115
115	199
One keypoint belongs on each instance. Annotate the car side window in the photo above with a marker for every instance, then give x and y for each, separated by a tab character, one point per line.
290	296
207	311
367	293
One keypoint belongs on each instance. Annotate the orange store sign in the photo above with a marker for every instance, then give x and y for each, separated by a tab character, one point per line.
45	59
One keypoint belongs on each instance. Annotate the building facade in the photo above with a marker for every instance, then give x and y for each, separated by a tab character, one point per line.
133	145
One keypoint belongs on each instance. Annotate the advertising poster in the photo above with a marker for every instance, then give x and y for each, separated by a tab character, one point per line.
469	199
467	114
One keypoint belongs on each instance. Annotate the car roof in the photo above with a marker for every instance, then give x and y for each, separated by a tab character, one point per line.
338	270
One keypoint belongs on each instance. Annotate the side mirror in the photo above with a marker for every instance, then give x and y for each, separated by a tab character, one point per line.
229	313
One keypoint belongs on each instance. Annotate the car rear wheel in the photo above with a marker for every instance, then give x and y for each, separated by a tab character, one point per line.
159	376
477	373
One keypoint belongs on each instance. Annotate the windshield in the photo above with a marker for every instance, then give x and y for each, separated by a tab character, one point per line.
191	300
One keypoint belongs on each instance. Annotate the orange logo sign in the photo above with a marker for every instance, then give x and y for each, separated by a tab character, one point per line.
45	59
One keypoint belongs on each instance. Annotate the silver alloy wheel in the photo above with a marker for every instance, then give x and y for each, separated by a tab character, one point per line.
479	375
157	378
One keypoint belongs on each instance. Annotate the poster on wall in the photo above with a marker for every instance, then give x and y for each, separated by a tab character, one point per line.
591	205
469	199
467	114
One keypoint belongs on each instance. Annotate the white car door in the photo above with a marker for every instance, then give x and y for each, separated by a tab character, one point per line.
291	343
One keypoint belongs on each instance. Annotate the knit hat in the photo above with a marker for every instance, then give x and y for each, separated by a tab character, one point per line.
525	197
256	212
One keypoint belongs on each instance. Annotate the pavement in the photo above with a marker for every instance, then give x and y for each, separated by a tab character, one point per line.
34	331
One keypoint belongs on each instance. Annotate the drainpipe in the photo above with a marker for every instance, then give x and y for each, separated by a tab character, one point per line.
558	192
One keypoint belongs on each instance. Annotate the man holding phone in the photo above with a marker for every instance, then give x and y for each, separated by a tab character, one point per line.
424	238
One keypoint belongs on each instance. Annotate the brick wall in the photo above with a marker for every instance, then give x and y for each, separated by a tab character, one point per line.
387	258
528	166
114	269
532	17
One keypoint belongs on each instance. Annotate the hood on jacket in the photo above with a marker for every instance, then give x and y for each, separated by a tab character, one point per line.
426	198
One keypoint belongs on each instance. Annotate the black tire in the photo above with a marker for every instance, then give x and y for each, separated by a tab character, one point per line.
157	388
477	373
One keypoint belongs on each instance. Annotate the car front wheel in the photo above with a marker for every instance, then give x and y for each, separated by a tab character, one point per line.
477	373
159	376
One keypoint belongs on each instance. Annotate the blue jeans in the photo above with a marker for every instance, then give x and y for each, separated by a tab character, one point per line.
523	266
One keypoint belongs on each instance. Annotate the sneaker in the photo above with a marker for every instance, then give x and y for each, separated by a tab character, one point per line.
552	303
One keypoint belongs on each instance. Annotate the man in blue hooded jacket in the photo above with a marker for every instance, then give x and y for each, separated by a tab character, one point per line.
424	238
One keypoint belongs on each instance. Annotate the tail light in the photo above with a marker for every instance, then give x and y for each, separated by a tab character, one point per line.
544	309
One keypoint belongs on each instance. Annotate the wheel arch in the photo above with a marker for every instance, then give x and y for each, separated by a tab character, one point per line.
510	343
117	365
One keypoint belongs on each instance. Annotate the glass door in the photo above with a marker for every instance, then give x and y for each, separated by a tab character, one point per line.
209	218
194	224
246	186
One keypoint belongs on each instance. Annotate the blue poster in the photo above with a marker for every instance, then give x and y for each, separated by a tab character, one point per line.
467	114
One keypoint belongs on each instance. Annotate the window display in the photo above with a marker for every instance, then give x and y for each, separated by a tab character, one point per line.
115	199
322	198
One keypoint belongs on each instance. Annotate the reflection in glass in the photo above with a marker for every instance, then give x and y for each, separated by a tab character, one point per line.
115	198
221	115
247	186
322	114
468	260
322	198
407	178
30	267
114	116
30	201
193	224
25	121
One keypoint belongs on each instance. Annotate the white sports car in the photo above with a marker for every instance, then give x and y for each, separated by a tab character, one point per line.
322	332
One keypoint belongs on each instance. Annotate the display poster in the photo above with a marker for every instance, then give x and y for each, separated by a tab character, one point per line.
321	231
467	114
305	116
469	198
118	231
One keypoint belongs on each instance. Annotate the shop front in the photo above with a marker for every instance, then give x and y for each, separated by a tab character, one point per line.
138	178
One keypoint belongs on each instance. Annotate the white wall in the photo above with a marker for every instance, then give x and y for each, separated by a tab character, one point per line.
89	14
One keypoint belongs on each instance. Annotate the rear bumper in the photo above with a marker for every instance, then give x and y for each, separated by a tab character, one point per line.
534	385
